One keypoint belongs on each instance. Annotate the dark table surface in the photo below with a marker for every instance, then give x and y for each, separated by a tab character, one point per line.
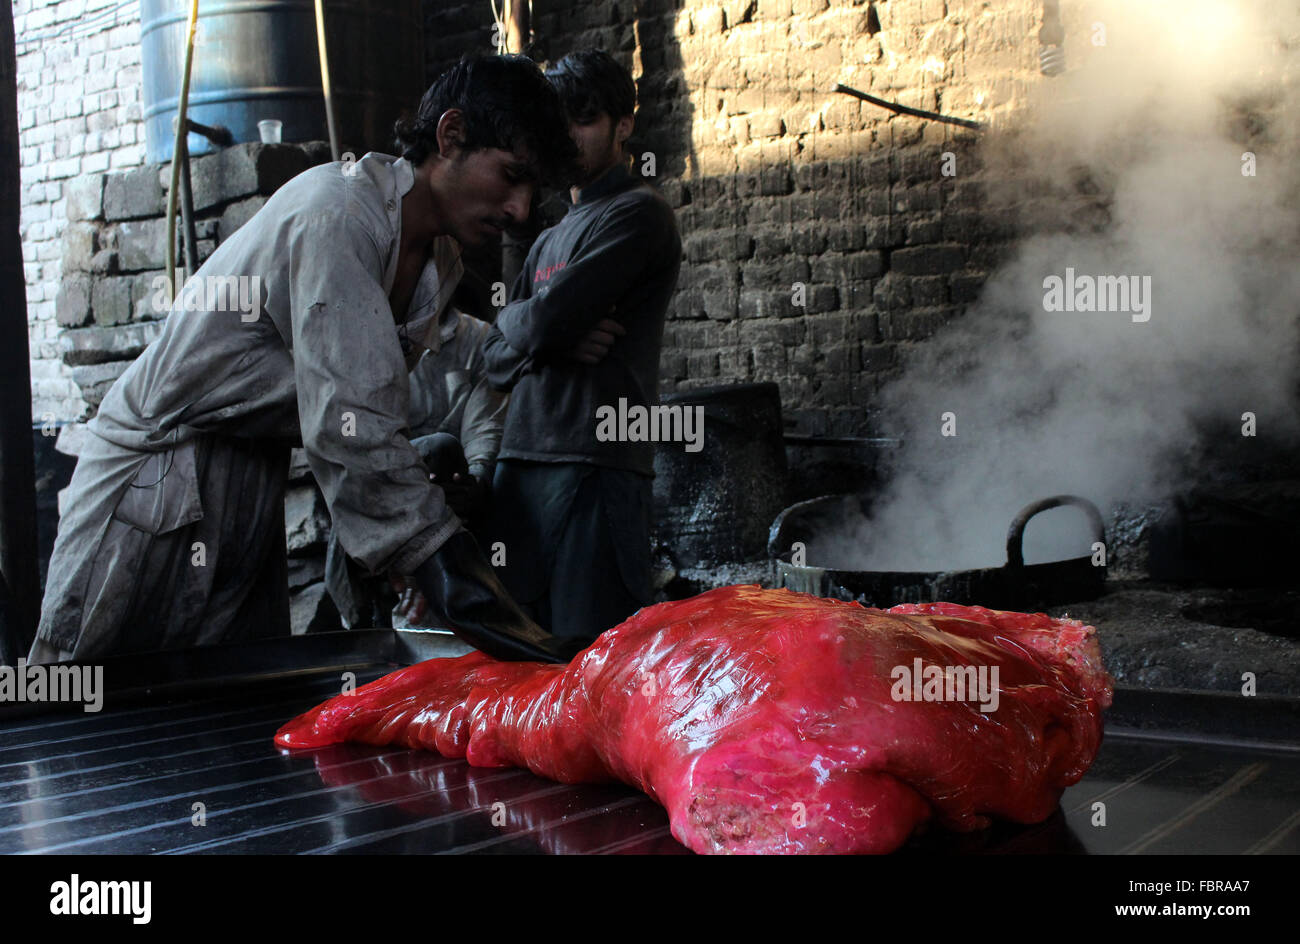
128	781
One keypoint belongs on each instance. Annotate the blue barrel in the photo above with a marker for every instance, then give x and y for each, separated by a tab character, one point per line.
257	59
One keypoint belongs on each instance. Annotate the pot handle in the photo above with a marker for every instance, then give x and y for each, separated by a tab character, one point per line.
1016	533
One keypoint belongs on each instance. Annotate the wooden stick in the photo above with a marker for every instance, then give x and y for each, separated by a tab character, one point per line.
325	78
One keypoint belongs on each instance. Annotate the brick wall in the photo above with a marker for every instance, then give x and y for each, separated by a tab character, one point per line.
78	114
776	180
785	190
115	241
821	237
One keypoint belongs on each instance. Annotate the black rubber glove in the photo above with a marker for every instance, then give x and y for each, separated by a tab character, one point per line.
464	591
466	494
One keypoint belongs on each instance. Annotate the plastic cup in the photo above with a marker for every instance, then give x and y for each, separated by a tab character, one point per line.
269	129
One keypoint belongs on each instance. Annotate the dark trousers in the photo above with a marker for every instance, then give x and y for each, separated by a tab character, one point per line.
576	541
188	555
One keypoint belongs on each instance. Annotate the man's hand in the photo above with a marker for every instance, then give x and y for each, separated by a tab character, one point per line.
412	605
595	344
410	601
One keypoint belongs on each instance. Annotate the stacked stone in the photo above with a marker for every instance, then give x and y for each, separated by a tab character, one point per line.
78	70
114	249
777	179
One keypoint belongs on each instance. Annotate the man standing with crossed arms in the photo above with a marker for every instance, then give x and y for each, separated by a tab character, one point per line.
583	330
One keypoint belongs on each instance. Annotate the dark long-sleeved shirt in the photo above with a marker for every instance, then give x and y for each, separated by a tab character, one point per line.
617	248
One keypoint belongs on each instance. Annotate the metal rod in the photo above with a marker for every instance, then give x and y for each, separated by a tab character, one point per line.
325	78
906	110
517	19
187	209
181	129
879	441
218	135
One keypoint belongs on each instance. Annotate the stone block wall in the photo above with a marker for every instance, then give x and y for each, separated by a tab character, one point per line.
776	179
78	114
113	249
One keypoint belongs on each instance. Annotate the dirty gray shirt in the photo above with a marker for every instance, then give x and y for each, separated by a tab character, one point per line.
450	391
322	364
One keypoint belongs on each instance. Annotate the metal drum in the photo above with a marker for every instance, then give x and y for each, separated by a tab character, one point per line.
714	505
1013	586
257	59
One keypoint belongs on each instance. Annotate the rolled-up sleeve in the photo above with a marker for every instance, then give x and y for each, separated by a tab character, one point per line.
353	397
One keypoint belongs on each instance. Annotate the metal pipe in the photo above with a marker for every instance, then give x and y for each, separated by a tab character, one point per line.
325	78
218	135
519	29
182	128
187	208
907	110
1051	40
879	442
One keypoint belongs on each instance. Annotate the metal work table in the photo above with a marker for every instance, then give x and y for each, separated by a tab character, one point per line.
1178	772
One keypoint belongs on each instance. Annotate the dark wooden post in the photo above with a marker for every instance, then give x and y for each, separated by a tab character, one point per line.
518	29
19	575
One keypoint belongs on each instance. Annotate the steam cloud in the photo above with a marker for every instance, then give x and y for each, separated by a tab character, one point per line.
1156	123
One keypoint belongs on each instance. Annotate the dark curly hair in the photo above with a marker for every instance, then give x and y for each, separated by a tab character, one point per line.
507	103
591	82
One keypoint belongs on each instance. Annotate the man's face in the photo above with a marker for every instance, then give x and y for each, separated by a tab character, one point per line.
598	146
489	190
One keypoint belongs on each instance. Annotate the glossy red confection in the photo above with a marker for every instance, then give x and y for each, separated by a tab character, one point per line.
766	720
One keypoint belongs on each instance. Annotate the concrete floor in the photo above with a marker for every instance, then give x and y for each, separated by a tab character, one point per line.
1162	636
1152	635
